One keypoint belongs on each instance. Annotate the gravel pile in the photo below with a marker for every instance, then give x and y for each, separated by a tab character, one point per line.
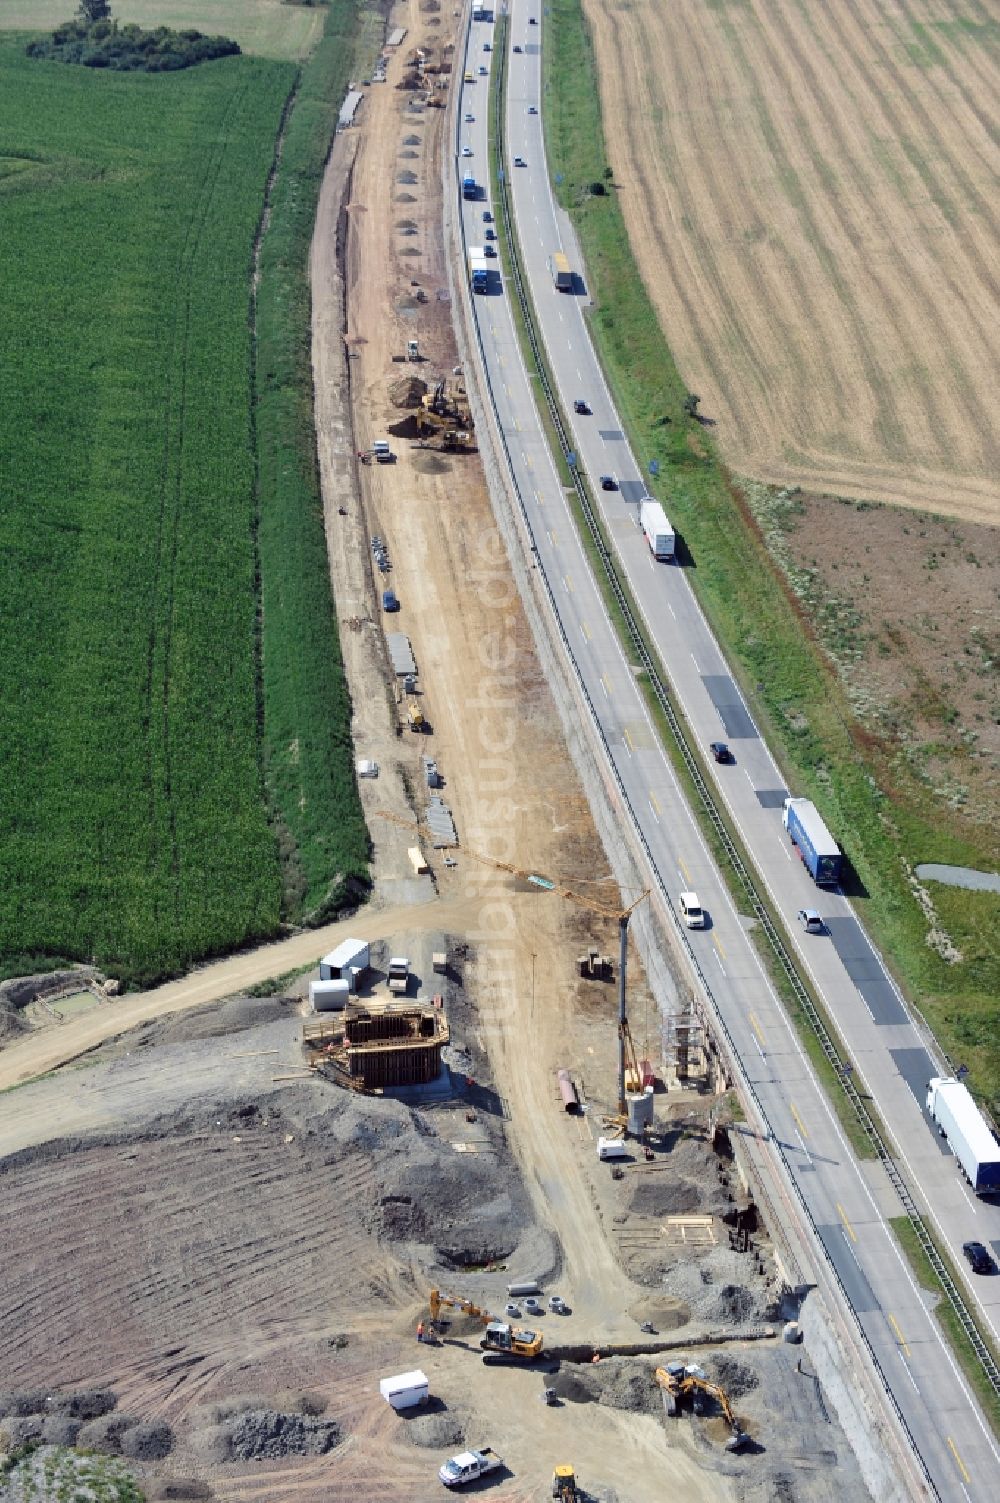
267	1435
626	1384
147	1442
736	1377
105	1434
721	1288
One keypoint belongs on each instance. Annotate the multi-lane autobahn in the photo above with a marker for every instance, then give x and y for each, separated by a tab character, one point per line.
845	1202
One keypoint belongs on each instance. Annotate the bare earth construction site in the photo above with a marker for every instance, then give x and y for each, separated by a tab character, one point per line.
215	1250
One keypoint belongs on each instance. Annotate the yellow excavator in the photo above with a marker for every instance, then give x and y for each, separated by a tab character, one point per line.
500	1341
683	1384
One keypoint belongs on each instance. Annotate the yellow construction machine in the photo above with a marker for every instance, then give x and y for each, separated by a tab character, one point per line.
500	1341
444	414
684	1384
415	717
564	1485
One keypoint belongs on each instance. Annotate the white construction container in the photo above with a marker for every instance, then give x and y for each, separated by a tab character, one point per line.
346	962
328	996
405	1391
418	860
612	1148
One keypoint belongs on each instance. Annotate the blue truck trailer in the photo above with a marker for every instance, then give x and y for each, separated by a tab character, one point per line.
819	851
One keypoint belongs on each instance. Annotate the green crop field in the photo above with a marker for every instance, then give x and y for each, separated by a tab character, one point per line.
268	28
133	822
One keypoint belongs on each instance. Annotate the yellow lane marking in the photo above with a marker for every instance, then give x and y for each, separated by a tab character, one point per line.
798	1120
847	1225
755	1026
899	1335
628	740
607	685
586	631
961	1464
715	941
655	803
568	583
687	874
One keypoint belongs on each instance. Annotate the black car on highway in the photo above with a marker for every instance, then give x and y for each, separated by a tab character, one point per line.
978	1258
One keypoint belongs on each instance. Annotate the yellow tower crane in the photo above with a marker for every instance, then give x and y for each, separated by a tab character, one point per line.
626	1046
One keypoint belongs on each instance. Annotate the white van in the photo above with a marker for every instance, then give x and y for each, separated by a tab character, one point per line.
612	1148
692	912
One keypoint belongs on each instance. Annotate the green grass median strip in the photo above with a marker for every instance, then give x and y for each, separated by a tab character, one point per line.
948	1320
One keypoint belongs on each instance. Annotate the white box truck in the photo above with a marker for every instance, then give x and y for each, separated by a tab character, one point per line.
406	1390
961	1123
657	530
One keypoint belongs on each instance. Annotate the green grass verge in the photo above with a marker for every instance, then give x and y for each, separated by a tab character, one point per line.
307	715
945	1315
133	827
796	696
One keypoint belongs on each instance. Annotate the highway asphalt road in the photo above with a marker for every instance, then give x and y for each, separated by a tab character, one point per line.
949	1431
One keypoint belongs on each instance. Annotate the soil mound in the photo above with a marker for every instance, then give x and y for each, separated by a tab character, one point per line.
736	1377
267	1435
407	391
436	1431
147	1442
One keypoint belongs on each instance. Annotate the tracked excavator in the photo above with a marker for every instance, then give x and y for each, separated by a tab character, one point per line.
444	414
678	1386
500	1342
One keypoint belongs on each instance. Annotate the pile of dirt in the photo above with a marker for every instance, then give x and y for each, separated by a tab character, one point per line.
443	1430
147	1442
405	198
411	140
407	391
268	1435
616	1382
106	1434
736	1377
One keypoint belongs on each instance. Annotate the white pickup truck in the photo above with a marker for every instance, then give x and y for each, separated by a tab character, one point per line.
468	1465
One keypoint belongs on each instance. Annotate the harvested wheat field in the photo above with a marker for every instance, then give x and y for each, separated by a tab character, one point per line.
811	194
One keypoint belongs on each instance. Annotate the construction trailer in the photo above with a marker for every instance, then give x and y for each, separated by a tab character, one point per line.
376	1047
347	962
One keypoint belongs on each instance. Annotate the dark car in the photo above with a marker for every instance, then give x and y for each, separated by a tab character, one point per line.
390	600
580	405
720	751
608	483
516	47
490	234
978	1258
489	250
532	21
487	217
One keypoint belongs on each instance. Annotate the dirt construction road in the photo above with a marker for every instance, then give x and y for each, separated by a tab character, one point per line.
51	1047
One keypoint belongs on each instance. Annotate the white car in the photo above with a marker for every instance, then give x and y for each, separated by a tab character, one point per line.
469	119
692	912
520	162
466	151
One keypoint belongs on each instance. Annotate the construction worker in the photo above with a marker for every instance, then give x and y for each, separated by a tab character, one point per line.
420	1330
